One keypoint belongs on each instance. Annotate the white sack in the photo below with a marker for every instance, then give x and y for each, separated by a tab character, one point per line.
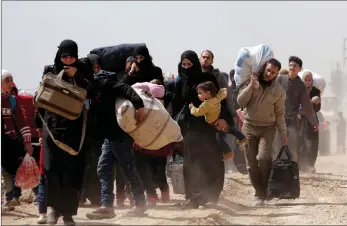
158	129
318	81
249	60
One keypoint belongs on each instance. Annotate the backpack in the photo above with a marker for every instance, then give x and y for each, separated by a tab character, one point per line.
284	181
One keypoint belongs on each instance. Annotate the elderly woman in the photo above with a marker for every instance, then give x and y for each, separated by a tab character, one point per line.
203	160
309	150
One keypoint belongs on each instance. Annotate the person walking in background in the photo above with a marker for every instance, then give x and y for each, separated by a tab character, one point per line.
341	134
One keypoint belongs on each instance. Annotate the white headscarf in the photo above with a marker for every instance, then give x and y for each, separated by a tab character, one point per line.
5	74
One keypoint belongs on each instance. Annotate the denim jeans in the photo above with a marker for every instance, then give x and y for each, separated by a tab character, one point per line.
119	149
42	195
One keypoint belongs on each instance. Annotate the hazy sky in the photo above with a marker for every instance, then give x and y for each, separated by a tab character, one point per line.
31	31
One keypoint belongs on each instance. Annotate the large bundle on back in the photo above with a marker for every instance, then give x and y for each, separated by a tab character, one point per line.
158	129
249	60
318	81
113	57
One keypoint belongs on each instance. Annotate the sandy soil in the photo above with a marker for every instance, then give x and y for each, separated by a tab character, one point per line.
323	201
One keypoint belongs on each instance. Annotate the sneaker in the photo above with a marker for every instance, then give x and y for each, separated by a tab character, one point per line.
53	217
229	156
137	211
42	219
165	196
68	220
7	206
152	200
15	202
103	212
258	202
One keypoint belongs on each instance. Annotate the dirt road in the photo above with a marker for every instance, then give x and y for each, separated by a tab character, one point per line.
323	201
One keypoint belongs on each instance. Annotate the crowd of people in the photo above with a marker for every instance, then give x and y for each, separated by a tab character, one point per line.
277	106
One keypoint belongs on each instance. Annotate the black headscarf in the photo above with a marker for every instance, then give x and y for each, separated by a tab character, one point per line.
146	64
190	74
66	48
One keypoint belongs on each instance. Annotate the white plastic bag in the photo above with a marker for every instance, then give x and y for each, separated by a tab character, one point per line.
318	81
249	60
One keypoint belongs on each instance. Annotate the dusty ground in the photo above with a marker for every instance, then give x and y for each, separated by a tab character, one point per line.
323	201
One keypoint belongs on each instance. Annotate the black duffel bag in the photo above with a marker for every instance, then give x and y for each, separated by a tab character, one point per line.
112	58
284	181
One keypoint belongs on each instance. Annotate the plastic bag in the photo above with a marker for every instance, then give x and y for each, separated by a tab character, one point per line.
249	60
28	173
318	81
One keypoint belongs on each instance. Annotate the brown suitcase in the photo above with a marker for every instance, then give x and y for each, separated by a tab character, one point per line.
60	97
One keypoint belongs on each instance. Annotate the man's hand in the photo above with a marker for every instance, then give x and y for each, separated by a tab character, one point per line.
285	139
190	106
29	148
71	71
222	125
140	115
315	128
254	80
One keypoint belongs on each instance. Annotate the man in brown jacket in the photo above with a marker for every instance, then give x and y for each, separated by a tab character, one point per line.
262	100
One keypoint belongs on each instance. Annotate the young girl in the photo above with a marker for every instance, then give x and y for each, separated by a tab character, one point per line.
15	134
211	108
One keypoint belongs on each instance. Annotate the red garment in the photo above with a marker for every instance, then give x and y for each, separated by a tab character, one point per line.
162	152
42	170
18	120
29	112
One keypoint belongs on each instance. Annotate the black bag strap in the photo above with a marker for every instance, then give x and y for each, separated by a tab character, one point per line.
286	150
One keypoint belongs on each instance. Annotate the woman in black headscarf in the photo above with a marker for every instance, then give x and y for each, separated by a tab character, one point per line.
143	69
64	172
203	161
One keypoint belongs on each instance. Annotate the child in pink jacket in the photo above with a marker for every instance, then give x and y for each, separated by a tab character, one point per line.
154	87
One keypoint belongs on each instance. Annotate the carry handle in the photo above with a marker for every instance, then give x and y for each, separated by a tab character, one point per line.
60	76
286	150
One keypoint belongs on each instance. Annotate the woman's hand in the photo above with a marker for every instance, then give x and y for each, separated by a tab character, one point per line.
70	71
190	106
134	68
222	125
140	115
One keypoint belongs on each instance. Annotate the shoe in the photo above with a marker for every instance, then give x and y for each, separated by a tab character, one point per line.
53	217
165	196
7	206
258	201
152	200
42	219
229	156
68	220
103	212
15	202
137	211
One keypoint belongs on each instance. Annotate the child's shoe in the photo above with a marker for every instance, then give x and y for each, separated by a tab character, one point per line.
7	206
165	196
152	200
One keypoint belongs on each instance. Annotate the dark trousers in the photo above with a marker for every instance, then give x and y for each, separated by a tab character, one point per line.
308	144
152	170
119	149
122	186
